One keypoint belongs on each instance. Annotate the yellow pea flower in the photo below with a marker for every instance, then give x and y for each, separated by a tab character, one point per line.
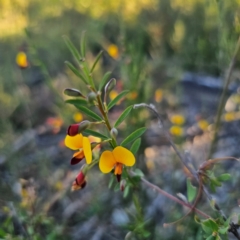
83	145
116	159
158	96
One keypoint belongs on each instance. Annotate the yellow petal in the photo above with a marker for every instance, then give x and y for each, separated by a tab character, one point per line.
75	142
87	150
106	162
124	156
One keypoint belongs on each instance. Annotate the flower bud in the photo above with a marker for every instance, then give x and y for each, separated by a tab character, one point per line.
80	181
114	133
92	97
77	128
122	184
72	92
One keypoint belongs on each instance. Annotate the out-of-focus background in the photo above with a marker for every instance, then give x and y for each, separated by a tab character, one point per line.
172	53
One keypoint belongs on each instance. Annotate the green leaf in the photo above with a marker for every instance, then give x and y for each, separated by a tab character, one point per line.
83	44
89	112
210	237
95	134
76	72
209	223
72	48
223	230
136	134
134	181
77	102
116	99
126	191
96	61
104	80
191	191
216	182
224	177
135	146
139	172
123	116
111	181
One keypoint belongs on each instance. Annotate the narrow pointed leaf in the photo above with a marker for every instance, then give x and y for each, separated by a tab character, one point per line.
191	191
83	44
96	61
76	72
89	112
77	102
135	146
111	181
95	134
72	92
123	116
104	80
136	134
72	48
126	191
116	99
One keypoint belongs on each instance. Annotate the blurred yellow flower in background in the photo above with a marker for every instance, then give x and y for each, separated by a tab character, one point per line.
21	60
203	124
132	95
176	130
230	116
177	119
77	117
113	94
113	51
158	95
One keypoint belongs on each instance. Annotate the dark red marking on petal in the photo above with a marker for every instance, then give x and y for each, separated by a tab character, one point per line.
118	177
75	160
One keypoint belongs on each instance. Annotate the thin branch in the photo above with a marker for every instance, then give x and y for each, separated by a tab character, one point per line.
160	123
223	99
159	190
